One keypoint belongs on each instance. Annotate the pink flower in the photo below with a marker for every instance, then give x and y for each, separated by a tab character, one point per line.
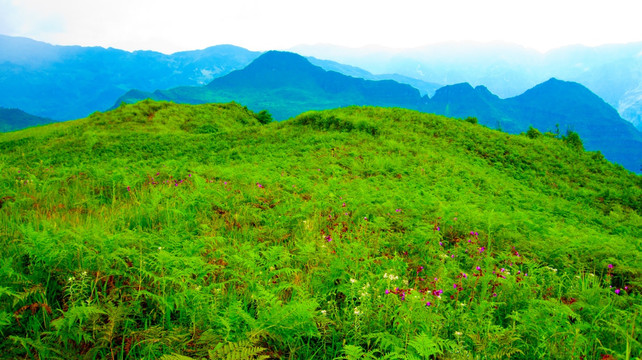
387	291
610	266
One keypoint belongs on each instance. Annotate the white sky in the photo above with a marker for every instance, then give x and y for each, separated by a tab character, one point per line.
170	26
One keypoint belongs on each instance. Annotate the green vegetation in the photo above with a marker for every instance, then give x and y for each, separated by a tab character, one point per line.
164	231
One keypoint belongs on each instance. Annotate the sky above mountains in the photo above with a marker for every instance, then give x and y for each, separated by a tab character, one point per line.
170	26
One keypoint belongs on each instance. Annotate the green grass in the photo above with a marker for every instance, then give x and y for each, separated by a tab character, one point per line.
167	231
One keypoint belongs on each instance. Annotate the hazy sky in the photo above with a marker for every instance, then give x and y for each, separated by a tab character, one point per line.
170	26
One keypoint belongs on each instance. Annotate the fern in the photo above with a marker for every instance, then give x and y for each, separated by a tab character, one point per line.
241	350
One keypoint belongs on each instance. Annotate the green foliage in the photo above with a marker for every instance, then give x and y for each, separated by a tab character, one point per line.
471	119
264	117
533	133
171	231
573	140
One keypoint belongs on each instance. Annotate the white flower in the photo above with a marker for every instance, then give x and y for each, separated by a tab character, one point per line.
160	248
84	273
356	311
462	304
323	312
458	333
353	280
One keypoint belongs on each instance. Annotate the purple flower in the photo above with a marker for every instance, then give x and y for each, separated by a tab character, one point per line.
464	274
438	228
344	205
494	294
454	286
478	268
610	266
328	238
398	210
482	249
617	291
428	303
441	244
365	218
503	269
387	291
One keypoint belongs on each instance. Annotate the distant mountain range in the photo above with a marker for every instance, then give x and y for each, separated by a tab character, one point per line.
613	72
287	84
68	82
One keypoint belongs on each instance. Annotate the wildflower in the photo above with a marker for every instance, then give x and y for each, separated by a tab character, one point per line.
160	248
365	218
610	266
464	275
398	210
617	291
438	228
323	312
129	188
328	238
454	286
344	205
482	249
478	268
189	175
225	182
387	291
441	244
503	269
353	280
452	256
494	294
259	185
357	311
428	303
458	333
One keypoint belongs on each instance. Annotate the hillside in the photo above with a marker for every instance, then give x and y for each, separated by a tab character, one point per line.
69	82
15	119
287	84
169	231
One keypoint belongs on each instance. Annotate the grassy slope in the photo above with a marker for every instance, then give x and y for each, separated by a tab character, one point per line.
167	229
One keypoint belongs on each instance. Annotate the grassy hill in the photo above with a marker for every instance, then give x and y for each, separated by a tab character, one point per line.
169	231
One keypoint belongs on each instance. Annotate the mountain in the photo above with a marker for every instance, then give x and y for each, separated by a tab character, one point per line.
551	106
611	71
287	84
16	119
68	82
425	88
173	231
